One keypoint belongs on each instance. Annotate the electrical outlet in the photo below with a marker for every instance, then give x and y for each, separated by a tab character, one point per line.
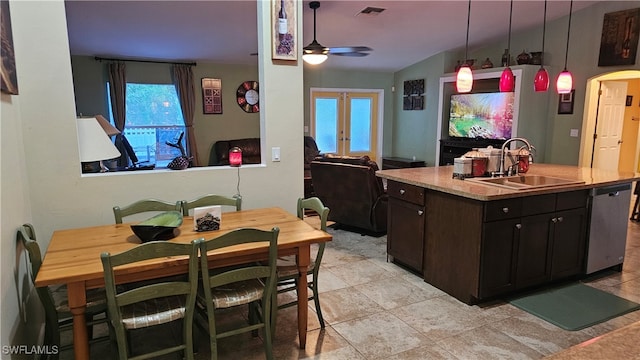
275	154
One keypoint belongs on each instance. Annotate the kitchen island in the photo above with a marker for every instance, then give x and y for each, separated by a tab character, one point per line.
478	241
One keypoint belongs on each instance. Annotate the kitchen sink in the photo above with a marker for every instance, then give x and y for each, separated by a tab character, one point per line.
525	182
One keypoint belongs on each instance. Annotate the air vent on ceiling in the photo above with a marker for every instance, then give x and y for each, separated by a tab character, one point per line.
370	11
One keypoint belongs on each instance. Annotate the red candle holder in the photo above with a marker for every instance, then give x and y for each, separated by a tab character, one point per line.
235	156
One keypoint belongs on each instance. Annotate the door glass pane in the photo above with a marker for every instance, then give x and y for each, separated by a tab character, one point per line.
326	124
360	125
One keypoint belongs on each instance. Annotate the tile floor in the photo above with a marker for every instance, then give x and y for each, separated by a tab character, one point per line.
377	310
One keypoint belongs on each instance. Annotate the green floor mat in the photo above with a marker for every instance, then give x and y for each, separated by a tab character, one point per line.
574	306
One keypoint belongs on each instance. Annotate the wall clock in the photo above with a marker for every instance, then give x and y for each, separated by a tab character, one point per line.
248	97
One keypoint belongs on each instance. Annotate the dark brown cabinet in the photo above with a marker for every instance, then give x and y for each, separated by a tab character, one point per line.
406	224
531	241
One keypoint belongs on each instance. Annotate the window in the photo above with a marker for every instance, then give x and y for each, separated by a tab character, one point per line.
154	117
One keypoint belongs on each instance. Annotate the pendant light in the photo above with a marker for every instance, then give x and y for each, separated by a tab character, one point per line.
314	53
541	81
507	81
565	80
464	78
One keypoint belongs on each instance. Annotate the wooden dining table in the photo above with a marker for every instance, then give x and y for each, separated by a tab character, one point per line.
73	258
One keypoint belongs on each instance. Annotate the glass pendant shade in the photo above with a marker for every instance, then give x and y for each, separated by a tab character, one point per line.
464	79
235	156
507	80
565	82
541	80
314	59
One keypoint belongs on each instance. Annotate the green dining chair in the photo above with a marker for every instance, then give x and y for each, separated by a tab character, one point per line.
146	205
54	299
250	284
287	267
152	304
211	199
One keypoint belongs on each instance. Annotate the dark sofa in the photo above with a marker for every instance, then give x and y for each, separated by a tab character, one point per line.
350	188
219	154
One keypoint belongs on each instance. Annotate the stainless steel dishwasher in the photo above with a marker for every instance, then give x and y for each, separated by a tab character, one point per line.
609	215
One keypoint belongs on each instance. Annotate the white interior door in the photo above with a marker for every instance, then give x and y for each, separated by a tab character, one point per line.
606	147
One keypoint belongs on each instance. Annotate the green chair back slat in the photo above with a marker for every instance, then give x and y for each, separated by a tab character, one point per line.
211	199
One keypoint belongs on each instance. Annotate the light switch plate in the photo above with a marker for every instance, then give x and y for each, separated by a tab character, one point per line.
574	133
275	154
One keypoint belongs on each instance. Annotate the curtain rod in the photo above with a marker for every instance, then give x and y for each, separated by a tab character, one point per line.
146	61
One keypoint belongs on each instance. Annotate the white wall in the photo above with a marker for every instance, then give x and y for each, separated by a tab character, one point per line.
45	169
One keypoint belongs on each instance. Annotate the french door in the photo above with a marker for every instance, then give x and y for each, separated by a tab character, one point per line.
345	123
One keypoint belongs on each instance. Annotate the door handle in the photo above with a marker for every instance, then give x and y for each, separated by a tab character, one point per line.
619	142
420	212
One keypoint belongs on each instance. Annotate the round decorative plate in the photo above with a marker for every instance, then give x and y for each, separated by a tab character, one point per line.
248	97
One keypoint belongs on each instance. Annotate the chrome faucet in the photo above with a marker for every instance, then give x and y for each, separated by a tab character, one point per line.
511	171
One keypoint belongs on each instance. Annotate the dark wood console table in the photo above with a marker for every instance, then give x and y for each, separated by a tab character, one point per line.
400	163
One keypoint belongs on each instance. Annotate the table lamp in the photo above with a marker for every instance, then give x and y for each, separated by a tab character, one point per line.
94	144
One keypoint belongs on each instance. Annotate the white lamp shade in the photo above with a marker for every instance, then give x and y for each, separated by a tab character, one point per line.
464	79
565	82
93	142
314	59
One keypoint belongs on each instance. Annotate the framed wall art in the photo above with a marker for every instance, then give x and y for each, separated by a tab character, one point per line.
211	96
619	42
283	30
629	100
565	102
9	83
413	98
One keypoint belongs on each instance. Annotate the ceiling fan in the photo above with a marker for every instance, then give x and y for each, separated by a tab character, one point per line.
315	53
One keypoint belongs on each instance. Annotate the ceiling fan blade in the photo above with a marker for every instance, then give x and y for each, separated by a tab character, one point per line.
348	49
350	54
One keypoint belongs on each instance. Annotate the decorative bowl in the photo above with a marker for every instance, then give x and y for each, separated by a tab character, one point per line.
163	226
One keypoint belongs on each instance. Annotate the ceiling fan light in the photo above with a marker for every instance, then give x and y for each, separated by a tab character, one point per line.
565	82
464	79
541	80
314	59
507	80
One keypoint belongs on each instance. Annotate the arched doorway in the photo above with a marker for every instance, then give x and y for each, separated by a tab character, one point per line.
629	155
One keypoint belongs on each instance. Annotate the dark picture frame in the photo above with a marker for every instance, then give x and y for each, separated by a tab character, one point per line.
565	102
284	45
9	82
211	96
413	98
629	100
619	41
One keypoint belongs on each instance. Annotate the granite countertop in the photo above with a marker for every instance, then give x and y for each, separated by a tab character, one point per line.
440	178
